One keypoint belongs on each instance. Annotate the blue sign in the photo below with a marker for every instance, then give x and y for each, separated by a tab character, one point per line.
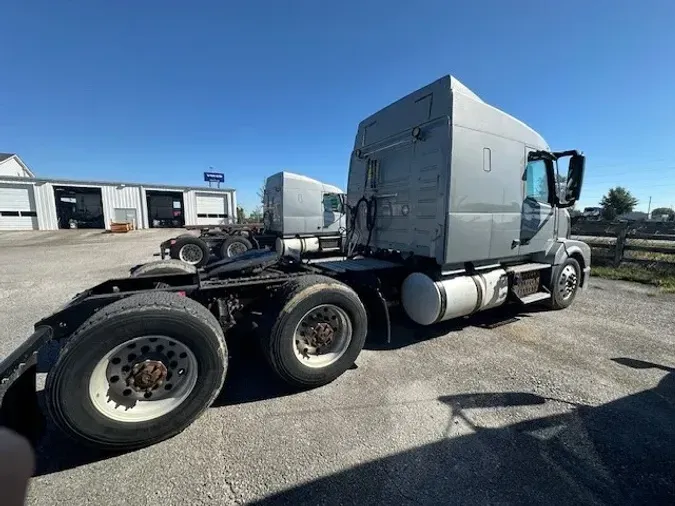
214	177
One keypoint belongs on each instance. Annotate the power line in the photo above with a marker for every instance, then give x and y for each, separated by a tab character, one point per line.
628	186
626	164
630	172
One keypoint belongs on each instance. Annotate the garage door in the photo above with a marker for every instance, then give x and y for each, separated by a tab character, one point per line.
17	207
211	209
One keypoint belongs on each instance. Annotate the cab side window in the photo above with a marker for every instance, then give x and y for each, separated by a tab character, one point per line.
536	181
331	203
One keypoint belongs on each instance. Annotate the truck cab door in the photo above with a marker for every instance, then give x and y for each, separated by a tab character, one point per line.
332	211
537	224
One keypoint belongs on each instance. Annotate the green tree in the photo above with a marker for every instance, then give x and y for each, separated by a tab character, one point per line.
256	215
261	193
660	211
241	215
618	201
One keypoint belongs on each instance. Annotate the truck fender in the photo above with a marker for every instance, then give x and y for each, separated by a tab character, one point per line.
582	253
566	248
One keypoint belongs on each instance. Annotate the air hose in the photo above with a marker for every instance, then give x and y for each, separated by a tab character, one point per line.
371	215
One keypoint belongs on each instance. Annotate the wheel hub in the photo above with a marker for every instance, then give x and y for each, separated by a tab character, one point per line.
143	378
568	282
321	334
147	375
235	249
191	253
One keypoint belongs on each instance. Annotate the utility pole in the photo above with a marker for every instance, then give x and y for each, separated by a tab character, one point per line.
649	206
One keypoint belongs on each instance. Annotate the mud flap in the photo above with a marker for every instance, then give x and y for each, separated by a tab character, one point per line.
19	408
379	320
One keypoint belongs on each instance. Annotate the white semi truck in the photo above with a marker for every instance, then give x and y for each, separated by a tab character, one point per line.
300	216
452	209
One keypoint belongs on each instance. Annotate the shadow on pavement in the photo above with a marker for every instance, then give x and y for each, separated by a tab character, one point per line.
405	332
56	452
250	379
622	452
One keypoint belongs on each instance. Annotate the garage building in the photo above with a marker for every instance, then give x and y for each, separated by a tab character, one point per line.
32	203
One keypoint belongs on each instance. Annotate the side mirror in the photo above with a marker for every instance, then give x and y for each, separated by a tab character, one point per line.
575	178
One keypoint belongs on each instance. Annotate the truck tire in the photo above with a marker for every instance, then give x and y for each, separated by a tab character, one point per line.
167	266
564	284
191	250
171	350
234	246
317	331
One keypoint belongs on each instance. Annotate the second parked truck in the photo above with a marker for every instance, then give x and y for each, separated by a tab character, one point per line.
453	207
300	216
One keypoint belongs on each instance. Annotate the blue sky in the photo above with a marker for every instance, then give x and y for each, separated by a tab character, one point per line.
159	90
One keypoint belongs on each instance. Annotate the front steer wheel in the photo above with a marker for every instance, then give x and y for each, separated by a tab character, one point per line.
318	331
137	372
564	285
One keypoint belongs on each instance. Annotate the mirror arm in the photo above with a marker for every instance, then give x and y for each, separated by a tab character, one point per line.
563	154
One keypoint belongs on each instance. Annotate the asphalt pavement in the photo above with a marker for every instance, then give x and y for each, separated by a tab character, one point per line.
573	406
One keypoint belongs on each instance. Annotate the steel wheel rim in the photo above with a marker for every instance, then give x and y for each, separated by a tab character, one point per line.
322	336
235	249
191	254
567	283
114	397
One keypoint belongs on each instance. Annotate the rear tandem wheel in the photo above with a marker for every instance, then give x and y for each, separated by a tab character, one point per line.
234	246
190	249
137	372
317	331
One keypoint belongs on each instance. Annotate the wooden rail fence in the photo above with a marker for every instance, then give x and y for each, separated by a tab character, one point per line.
650	244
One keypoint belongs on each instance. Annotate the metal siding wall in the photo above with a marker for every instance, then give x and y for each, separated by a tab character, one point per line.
190	203
233	212
228	204
45	204
113	196
118	197
144	203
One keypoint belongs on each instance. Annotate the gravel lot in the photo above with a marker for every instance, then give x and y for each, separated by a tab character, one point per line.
535	411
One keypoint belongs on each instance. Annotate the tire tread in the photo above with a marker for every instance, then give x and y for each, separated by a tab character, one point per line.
145	301
279	313
168	263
